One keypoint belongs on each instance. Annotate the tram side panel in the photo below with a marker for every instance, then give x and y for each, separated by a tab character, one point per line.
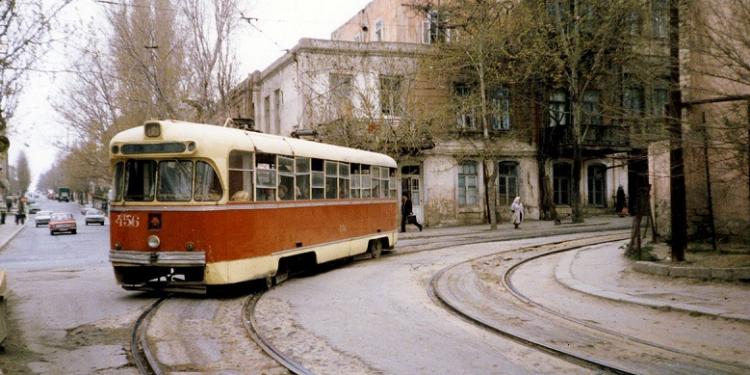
245	242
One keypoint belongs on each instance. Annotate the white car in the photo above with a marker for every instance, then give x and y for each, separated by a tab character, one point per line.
42	218
94	216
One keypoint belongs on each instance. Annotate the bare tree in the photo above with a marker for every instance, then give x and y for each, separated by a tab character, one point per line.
23	173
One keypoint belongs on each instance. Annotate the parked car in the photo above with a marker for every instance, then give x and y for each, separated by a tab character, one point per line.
94	216
42	218
62	222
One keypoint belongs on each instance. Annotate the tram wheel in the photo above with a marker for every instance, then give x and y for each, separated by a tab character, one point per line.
376	248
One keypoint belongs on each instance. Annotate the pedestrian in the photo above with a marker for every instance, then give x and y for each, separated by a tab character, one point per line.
517	208
620	201
407	216
21	211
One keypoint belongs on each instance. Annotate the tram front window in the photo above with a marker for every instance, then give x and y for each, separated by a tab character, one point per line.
175	180
207	184
139	180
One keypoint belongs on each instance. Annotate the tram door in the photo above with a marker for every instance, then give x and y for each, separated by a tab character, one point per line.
410	185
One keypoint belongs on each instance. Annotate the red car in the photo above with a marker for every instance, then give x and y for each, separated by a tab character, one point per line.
62	222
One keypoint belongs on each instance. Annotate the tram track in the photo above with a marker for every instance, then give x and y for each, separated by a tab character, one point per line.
248	320
143	356
578	357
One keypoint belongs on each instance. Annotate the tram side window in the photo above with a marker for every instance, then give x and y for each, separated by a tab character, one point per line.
175	180
207	184
118	181
383	182
240	176
302	178
355	177
331	180
392	183
343	180
265	167
366	181
286	178
318	179
375	182
139	180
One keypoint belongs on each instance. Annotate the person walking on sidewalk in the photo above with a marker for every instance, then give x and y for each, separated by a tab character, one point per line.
517	208
21	211
407	217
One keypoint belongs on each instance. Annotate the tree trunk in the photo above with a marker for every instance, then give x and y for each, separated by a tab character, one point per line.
490	174
677	177
575	191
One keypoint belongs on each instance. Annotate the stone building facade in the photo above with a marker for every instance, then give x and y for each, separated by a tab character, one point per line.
715	88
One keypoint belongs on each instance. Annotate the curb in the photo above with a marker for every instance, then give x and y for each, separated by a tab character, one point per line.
564	276
707	273
5	241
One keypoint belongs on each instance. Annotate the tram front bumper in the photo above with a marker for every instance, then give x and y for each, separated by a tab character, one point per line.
163	270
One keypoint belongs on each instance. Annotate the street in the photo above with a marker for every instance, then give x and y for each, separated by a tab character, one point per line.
388	315
67	314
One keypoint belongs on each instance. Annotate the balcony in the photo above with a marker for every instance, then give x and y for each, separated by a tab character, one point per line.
606	138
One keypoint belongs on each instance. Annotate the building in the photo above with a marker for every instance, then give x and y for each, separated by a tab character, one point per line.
367	79
715	89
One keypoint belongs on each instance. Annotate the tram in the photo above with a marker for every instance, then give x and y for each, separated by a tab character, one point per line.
198	205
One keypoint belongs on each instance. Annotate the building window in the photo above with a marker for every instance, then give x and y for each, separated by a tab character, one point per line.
659	18
434	29
597	185
592	110
500	102
278	99
467	184
561	180
633	101
661	98
507	187
341	93
558	109
267	113
465	117
391	95
379	31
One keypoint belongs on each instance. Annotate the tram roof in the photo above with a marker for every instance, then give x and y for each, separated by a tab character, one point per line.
224	139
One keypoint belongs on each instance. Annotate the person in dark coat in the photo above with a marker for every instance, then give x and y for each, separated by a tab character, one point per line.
620	201
407	216
21	211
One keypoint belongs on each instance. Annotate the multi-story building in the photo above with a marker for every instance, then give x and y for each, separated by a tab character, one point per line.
714	39
367	78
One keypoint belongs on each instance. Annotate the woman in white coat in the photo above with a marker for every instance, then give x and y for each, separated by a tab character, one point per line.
517	208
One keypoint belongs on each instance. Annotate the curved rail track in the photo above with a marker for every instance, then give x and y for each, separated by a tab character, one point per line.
142	355
558	350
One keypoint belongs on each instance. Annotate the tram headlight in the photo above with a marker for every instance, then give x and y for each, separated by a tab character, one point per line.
153	241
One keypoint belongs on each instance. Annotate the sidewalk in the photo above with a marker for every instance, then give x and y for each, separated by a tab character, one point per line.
7	232
604	272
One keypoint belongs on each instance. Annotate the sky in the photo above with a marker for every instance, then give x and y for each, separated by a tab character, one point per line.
39	132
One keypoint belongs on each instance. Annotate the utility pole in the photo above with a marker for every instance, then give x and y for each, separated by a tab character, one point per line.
677	169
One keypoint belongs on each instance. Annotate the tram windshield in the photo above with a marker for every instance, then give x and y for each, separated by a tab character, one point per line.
167	181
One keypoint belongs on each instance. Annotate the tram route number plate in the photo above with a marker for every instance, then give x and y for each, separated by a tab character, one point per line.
127	221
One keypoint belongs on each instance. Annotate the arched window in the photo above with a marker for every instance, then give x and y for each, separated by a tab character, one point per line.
467	184
507	185
561	182
597	184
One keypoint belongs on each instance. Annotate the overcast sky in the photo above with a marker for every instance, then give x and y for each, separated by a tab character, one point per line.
36	130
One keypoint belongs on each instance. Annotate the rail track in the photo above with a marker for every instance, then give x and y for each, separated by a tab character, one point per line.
567	352
142	355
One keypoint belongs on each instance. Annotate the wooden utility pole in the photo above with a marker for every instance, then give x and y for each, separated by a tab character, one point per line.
677	170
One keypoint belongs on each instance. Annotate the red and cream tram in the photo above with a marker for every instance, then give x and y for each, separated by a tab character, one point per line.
198	205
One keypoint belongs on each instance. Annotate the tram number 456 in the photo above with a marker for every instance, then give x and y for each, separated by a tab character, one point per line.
128	221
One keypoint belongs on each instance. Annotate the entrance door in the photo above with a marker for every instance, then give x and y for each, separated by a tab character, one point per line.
410	185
